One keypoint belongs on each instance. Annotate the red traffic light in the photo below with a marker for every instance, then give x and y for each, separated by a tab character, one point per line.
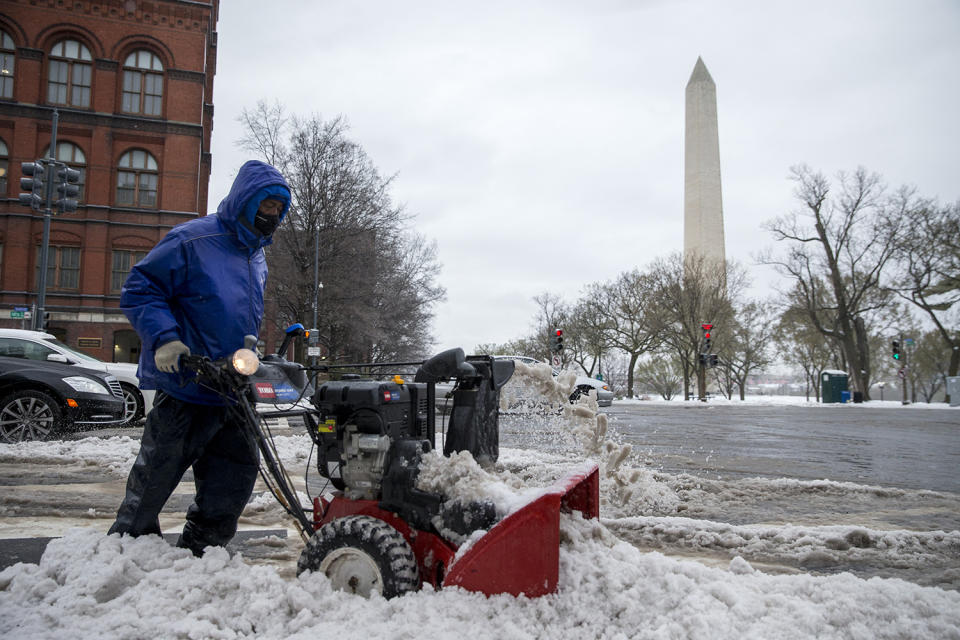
559	332
706	335
706	327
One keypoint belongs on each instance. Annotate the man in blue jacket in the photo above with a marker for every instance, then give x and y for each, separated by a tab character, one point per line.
199	291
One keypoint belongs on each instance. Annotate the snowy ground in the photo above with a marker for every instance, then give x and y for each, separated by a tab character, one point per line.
660	562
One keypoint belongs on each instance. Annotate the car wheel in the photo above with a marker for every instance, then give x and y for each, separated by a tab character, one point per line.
579	391
29	415
132	405
362	555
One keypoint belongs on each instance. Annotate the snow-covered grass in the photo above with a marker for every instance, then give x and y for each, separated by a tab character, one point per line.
646	569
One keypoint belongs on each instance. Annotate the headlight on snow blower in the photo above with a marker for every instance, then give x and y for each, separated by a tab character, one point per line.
245	362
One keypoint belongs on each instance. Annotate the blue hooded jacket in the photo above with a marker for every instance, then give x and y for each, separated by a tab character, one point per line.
203	284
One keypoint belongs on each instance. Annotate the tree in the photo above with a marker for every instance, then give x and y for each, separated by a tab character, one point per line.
800	343
689	292
344	232
928	277
627	318
837	249
928	363
585	331
552	314
749	347
659	373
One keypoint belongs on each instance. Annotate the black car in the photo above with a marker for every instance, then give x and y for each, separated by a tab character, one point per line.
40	400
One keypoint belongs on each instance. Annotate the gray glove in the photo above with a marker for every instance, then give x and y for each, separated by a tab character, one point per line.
167	357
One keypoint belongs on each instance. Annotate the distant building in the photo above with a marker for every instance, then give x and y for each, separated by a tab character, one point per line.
132	82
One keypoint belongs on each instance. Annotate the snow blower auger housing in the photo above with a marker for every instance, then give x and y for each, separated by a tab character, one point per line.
381	533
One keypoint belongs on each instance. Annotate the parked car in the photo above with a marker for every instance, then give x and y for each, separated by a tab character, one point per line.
40	399
42	346
582	385
585	385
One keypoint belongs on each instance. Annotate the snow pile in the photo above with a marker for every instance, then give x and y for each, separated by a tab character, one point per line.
113	455
547	410
92	586
748	580
933	553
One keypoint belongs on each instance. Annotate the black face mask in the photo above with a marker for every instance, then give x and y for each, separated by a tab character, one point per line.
266	224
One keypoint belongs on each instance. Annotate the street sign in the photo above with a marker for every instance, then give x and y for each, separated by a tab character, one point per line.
313	351
556	361
21	314
17	314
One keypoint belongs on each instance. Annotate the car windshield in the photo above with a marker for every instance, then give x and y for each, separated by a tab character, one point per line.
79	354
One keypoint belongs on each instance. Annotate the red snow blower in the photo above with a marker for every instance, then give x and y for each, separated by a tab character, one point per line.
380	532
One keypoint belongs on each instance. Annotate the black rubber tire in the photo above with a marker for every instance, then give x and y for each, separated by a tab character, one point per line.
362	554
29	415
132	405
579	391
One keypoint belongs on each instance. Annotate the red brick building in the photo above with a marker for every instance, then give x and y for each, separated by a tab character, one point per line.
132	83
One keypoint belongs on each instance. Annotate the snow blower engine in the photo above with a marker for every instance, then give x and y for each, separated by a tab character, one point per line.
372	434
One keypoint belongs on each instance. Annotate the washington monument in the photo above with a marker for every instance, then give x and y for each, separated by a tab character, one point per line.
702	202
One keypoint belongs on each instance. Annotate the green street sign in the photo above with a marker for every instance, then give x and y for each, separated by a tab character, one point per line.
16	314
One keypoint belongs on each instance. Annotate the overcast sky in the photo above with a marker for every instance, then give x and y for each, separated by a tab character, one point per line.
540	143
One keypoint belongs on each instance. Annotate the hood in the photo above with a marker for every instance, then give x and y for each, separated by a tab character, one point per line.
255	181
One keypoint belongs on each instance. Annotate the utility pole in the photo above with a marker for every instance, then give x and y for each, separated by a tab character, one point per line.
40	185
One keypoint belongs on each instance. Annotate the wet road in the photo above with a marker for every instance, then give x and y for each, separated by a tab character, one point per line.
909	448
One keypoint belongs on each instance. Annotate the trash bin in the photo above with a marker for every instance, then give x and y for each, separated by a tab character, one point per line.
857	396
844	397
832	384
953	390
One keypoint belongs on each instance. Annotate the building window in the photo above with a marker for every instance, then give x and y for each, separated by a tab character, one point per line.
7	51
74	157
4	167
137	179
142	84
70	74
63	267
123	261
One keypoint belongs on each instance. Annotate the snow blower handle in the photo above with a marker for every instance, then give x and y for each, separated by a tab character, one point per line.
451	363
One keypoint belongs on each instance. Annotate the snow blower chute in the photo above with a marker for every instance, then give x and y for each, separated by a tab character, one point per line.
379	532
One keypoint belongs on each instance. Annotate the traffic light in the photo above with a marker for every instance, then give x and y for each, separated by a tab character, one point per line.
67	189
713	360
896	349
558	342
33	185
706	337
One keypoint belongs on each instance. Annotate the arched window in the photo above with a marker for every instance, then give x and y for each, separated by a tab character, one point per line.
137	179
7	51
73	156
142	84
70	74
4	167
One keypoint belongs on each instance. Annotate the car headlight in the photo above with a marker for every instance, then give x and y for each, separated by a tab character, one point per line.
245	362
81	384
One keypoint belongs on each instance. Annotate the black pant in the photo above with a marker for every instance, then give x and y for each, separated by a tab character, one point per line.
179	435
